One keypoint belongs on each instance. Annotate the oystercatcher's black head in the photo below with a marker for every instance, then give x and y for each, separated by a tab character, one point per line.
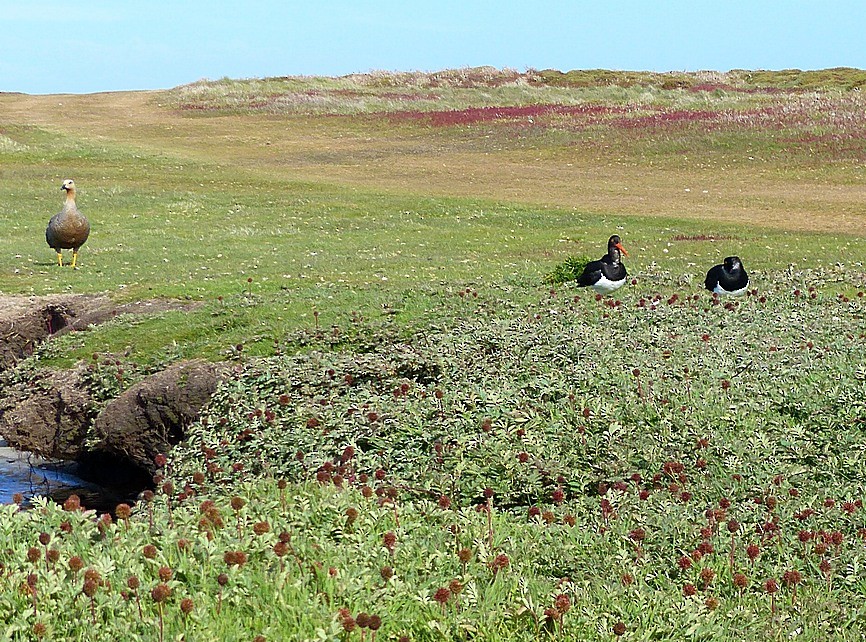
614	247
732	263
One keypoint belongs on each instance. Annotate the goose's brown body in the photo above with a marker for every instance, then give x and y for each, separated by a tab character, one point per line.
69	228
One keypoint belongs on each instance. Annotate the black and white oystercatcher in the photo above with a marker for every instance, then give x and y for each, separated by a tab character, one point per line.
728	278
68	229
608	273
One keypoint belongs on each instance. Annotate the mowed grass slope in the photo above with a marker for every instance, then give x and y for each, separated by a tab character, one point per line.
420	428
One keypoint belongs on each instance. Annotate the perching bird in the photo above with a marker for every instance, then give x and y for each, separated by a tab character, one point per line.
608	273
728	278
69	228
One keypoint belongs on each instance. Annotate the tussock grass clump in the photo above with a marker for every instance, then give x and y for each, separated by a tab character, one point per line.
569	270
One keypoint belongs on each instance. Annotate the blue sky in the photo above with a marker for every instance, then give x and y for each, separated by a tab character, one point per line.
92	45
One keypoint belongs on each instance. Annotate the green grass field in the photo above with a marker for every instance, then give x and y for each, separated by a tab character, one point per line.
421	428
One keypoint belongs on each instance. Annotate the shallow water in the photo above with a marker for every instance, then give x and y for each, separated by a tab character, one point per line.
33	476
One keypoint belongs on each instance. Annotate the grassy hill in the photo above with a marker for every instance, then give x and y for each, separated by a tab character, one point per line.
420	428
320	188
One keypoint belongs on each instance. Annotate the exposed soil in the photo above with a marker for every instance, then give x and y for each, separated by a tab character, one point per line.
26	322
53	412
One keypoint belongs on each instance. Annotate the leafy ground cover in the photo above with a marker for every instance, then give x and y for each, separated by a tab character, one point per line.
423	440
658	483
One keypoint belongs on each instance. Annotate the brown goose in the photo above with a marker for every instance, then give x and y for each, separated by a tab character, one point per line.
68	229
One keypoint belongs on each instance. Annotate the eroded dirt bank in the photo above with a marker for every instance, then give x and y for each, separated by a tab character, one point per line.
55	413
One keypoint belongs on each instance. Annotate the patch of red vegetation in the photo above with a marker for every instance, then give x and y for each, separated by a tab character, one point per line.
622	117
473	115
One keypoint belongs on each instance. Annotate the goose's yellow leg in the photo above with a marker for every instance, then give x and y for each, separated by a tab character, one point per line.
74	257
60	258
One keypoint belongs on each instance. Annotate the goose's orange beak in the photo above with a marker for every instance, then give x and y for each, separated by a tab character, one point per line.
621	248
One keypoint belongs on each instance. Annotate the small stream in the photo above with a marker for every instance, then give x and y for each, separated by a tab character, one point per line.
33	476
